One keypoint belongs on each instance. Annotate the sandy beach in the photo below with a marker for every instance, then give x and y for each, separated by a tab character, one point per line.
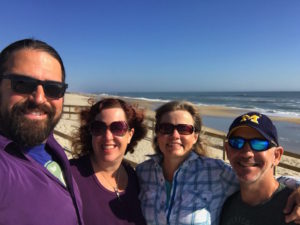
70	123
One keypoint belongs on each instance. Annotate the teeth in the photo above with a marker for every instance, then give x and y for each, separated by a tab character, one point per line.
36	112
174	144
247	164
108	146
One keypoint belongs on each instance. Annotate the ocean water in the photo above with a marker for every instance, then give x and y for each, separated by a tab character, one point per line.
288	133
284	104
272	103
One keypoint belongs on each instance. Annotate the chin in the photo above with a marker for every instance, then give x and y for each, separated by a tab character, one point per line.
248	179
110	158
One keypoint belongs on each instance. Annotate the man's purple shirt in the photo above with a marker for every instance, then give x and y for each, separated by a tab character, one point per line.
30	194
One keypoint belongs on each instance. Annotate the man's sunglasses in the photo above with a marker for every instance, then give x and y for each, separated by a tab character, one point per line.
117	128
168	128
26	85
256	144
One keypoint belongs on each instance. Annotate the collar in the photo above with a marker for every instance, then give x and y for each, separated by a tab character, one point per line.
157	158
56	149
4	141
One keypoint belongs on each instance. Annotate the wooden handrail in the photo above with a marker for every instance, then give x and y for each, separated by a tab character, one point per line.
291	154
151	126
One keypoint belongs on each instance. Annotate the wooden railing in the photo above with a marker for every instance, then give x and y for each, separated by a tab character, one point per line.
70	110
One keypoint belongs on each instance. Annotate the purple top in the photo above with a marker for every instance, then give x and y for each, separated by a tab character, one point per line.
30	194
101	206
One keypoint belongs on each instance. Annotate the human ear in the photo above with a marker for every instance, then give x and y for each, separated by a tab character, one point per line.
278	152
226	147
131	132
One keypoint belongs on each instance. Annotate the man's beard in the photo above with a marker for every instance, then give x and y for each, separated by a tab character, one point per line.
24	131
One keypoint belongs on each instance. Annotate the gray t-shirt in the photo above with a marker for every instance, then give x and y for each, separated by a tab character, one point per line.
236	212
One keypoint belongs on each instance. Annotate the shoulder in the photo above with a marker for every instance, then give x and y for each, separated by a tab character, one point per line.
146	165
283	192
289	181
81	166
79	161
129	169
218	172
232	198
11	160
132	176
148	170
6	162
230	207
211	164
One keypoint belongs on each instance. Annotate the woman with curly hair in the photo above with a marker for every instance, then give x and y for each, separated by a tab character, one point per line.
108	186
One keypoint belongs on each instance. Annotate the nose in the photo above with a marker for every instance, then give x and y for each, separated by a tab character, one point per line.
39	95
246	150
175	133
108	134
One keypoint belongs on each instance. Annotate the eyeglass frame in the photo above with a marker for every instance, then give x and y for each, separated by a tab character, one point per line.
175	126
109	128
271	143
15	77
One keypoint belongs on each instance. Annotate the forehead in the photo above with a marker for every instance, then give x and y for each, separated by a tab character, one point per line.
33	62
177	116
111	114
246	132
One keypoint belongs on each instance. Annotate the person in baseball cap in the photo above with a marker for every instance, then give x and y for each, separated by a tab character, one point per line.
260	122
253	151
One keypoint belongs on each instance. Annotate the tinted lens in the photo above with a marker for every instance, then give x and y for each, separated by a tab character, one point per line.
98	128
259	145
23	86
118	128
53	89
168	128
185	129
255	144
237	143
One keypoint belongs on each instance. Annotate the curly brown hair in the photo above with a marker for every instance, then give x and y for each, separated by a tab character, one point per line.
190	108
82	139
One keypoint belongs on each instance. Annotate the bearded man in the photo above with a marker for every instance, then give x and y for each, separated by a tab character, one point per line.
36	182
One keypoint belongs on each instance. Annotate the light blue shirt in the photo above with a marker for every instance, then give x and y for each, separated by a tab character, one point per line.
200	186
199	189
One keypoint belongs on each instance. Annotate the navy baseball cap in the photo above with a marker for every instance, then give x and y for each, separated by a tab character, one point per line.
257	121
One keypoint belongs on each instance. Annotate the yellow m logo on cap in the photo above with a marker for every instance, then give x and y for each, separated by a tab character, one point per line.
253	118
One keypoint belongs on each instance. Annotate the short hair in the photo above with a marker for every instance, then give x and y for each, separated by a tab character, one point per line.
29	43
185	106
82	141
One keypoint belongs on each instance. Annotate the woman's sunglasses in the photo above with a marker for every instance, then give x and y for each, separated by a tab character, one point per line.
256	144
26	85
168	128
117	128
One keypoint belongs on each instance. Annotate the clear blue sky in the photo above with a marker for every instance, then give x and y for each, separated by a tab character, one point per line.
165	45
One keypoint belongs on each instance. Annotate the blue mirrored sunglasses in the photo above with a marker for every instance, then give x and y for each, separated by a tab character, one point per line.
256	144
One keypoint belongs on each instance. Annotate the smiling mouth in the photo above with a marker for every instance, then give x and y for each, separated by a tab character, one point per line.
35	114
108	147
174	144
247	164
